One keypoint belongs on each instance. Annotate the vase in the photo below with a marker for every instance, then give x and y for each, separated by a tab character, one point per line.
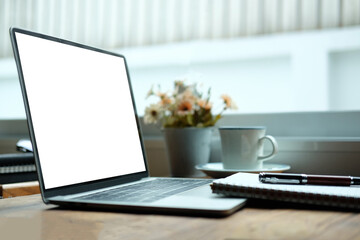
186	148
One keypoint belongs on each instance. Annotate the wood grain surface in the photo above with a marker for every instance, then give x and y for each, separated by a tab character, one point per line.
19	189
28	218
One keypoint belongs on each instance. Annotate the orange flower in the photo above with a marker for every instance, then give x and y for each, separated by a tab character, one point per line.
204	104
229	103
165	101
184	107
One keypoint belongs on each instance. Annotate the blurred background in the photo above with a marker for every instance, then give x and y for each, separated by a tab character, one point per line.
271	56
290	65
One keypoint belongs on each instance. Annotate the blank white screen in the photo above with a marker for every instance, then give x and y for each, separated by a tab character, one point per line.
82	112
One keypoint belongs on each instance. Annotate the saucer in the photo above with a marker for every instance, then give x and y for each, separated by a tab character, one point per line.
216	170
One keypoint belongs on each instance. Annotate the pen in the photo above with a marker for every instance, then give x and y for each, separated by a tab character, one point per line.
289	178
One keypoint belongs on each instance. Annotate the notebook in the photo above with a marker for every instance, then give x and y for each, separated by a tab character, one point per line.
85	133
247	185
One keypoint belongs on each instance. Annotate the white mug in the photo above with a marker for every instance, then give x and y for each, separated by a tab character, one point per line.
242	147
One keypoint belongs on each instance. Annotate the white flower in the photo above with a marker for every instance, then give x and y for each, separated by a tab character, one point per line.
152	114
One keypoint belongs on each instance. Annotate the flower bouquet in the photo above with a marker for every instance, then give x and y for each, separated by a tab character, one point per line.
184	107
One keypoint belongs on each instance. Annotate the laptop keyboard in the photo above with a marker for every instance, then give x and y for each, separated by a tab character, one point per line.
148	191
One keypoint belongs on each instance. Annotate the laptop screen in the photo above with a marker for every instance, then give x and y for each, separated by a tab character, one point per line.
82	112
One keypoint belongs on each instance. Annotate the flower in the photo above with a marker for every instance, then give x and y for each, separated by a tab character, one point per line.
185	107
164	98
165	101
152	114
204	104
229	103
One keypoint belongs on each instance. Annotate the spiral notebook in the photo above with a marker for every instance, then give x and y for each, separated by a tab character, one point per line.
247	185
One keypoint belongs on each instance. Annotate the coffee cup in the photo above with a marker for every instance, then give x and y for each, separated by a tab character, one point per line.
242	147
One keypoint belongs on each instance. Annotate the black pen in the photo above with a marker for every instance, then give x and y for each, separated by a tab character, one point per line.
289	178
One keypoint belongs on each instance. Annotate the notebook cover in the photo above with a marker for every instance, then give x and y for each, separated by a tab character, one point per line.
248	185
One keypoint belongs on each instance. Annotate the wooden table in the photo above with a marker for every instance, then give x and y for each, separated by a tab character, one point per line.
28	218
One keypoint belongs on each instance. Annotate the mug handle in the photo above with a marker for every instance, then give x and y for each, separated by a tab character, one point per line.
274	145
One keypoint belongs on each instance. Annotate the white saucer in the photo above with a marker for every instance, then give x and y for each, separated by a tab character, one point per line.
216	170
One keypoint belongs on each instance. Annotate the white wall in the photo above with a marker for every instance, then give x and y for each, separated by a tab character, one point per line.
294	72
11	101
344	83
308	71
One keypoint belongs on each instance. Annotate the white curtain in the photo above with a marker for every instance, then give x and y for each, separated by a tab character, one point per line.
123	23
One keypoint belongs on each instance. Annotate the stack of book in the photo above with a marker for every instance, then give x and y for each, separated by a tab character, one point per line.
17	167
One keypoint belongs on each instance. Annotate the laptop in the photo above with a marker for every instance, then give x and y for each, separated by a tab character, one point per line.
86	136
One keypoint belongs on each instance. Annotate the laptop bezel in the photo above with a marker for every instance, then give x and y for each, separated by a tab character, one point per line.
86	186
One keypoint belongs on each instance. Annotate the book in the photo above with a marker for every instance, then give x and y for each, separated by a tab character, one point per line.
17	167
247	185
